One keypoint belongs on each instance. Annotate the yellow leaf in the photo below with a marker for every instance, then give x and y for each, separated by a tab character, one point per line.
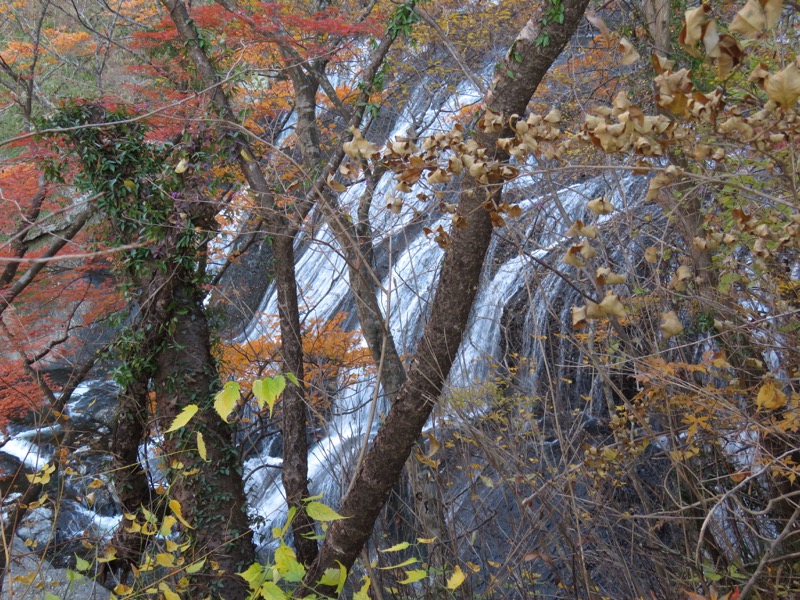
165	560
183	418
414	576
321	512
43	476
358	147
96	483
770	397
397	547
456	579
109	555
168	593
175	507
226	399
180	167
167	524
201	447
195	567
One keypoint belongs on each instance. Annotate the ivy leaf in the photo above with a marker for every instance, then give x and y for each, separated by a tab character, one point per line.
226	399
268	389
183	418
456	579
320	512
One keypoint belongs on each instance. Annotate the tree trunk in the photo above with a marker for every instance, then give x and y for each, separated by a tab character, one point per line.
210	494
510	92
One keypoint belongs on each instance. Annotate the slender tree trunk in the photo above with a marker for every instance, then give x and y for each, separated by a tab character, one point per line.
509	94
294	471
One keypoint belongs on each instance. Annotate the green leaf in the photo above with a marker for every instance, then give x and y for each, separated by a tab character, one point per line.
268	389
270	591
335	577
291	377
226	399
397	547
456	579
183	418
254	575
82	565
320	512
286	563
195	567
330	577
49	596
412	576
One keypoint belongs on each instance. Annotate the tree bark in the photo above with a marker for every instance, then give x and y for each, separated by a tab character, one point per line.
509	94
212	498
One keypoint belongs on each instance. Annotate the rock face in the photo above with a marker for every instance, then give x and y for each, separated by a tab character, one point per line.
30	577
